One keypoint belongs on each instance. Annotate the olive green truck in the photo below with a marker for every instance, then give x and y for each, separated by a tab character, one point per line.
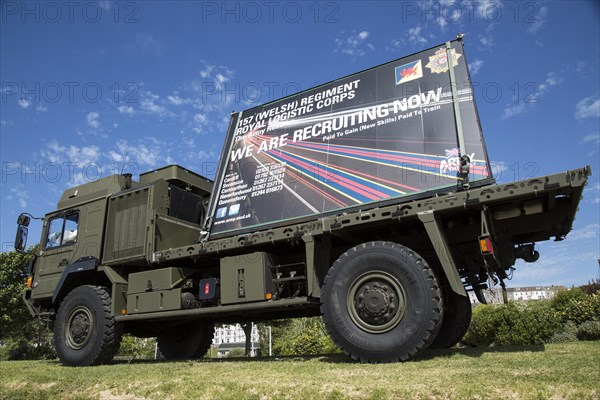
368	200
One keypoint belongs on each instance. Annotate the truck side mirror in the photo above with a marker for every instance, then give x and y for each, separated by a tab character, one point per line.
21	239
23	220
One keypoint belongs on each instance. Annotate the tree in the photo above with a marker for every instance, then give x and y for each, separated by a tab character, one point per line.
247	327
592	287
299	336
15	320
236	353
24	336
140	348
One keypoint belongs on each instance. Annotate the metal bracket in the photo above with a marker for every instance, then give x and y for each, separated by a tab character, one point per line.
442	250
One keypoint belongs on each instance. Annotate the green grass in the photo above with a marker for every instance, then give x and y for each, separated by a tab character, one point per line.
555	371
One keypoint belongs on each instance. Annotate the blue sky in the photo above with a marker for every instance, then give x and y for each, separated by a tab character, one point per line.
90	88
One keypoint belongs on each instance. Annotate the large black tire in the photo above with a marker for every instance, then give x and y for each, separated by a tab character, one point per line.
456	321
85	332
191	340
381	302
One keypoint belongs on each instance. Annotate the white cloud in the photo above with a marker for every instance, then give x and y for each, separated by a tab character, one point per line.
592	192
149	152
581	66
475	66
146	43
589	231
150	103
539	19
199	120
395	45
116	157
448	13
80	156
152	107
93	120
551	80
588	107
511	111
21	195
105	5
218	74
6	122
528	100
486	10
441	21
176	100
352	44
127	110
416	36
591	138
486	41
23	103
206	71
220	78
498	169
210	94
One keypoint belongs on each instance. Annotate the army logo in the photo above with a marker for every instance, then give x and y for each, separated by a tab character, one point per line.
438	62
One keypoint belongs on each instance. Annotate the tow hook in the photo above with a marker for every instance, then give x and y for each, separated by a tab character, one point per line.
527	252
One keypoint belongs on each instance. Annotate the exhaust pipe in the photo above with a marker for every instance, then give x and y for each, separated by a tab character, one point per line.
127	183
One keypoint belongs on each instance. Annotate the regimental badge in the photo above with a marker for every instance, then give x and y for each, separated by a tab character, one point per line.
409	72
438	62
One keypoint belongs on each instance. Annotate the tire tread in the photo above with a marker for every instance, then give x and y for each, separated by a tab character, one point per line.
436	312
112	332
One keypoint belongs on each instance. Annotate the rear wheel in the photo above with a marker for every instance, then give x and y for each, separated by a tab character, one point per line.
457	318
381	302
85	332
191	340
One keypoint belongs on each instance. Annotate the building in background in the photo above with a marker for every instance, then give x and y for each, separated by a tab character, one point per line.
229	337
494	295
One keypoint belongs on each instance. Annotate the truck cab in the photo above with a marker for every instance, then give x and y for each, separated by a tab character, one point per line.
116	222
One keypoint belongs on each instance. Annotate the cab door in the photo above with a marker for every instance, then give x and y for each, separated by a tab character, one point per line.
58	245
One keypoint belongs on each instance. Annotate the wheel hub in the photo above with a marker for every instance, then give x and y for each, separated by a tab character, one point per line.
376	302
79	328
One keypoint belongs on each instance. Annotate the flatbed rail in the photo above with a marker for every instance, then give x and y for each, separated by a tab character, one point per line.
570	183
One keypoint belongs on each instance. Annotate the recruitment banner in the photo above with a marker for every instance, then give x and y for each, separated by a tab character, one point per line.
381	134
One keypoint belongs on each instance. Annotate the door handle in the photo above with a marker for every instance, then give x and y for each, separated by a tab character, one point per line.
63	262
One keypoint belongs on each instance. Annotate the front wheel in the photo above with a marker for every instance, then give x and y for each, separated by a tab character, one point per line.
381	302
85	332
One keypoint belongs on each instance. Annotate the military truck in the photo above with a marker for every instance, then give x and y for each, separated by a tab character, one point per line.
368	200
